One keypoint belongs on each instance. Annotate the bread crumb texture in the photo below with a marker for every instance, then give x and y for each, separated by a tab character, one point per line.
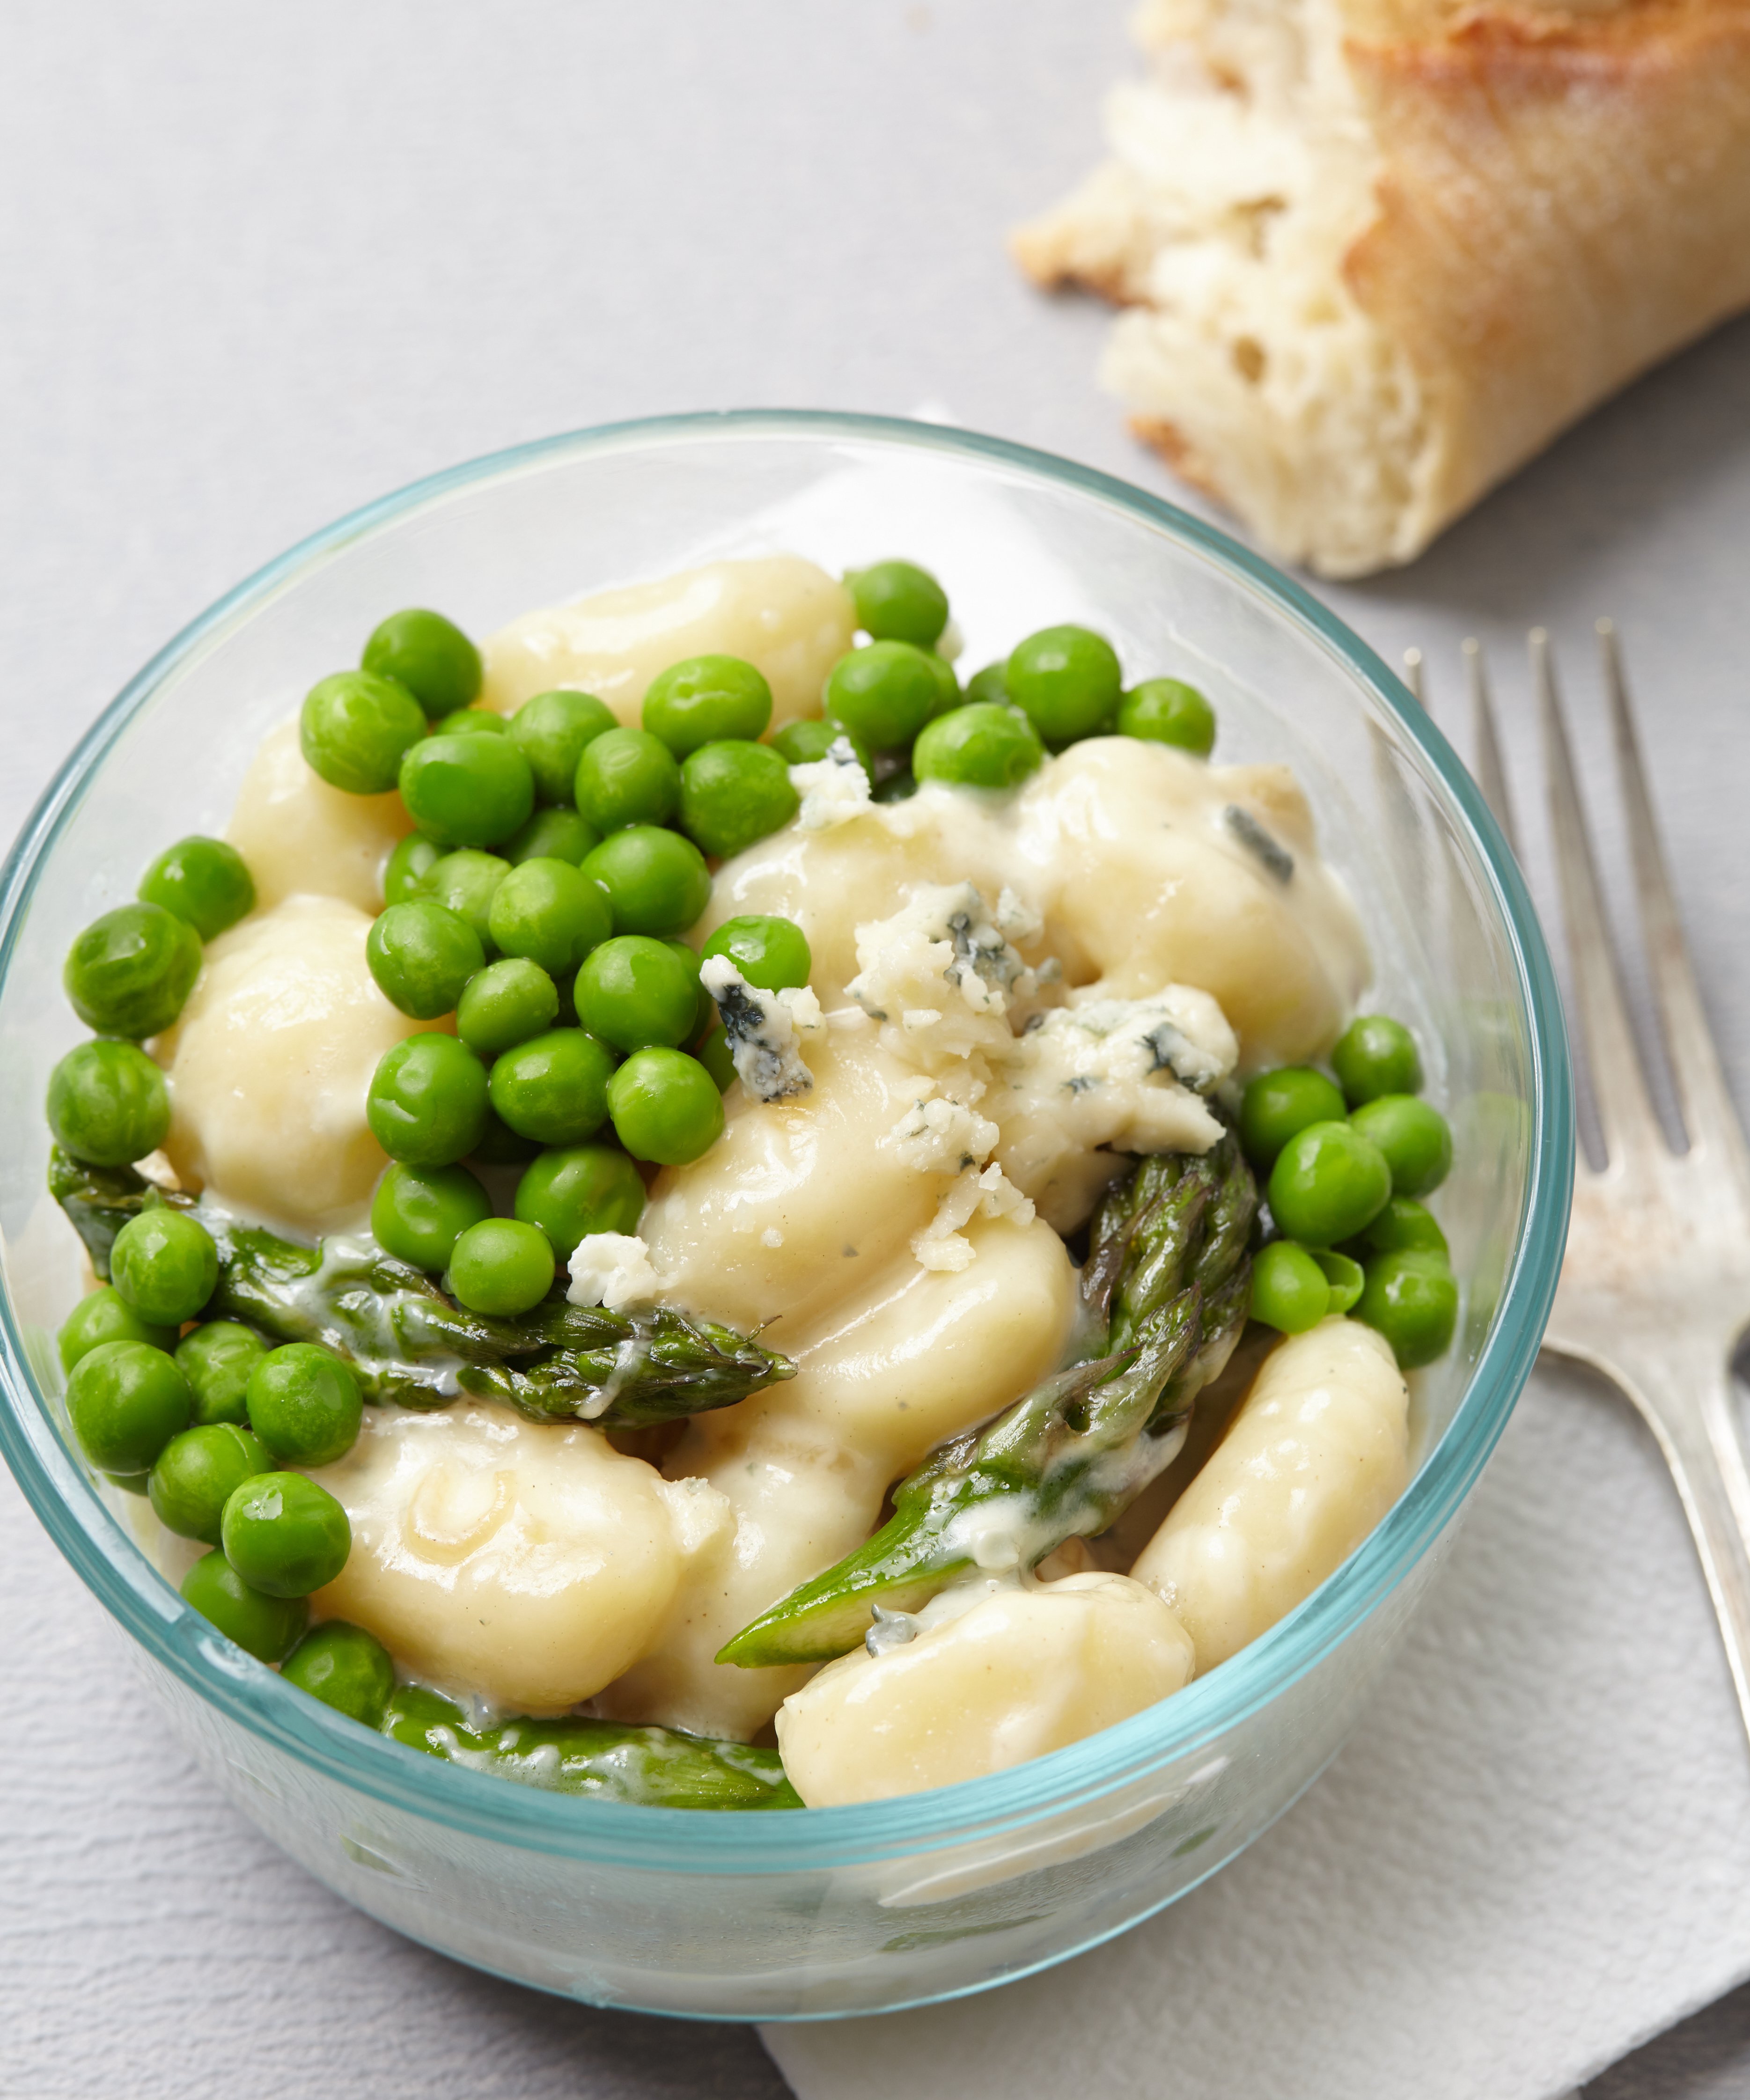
1375	254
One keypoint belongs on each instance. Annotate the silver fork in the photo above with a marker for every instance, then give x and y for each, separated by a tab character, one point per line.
1654	1290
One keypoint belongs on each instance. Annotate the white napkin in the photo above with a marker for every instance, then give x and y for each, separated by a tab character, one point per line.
1533	1854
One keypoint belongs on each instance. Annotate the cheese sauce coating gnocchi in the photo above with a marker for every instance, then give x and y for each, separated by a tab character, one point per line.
1013	995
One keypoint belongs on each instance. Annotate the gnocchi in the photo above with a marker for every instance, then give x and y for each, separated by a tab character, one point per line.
784	615
1317	1454
269	1064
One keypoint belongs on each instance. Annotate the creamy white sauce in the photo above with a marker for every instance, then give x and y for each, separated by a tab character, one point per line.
1011	994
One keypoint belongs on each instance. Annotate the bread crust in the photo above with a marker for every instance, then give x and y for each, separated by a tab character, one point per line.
1565	200
1560	198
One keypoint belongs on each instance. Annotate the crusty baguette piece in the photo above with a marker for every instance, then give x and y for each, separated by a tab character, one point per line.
1377	253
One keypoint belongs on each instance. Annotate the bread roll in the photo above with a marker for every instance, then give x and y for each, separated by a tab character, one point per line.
1377	253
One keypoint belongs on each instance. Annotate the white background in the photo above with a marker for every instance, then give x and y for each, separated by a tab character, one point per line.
257	266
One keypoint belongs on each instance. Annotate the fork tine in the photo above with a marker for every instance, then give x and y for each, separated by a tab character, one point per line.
1412	674
1491	775
1625	1114
1708	1115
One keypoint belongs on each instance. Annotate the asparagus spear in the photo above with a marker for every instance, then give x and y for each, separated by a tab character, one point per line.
1168	1275
652	1767
409	1344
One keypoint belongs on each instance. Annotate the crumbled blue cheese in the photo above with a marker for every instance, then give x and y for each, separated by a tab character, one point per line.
834	789
762	1029
945	972
613	1269
941	1245
1127	1074
940	1135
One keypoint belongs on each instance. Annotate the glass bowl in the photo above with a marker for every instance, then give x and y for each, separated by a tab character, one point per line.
841	1910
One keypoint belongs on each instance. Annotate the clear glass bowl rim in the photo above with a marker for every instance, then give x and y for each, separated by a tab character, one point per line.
690	1841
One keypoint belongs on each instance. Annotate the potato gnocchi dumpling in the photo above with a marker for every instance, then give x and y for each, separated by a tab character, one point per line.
301	837
523	1561
788	618
1316	1455
269	1065
1020	1673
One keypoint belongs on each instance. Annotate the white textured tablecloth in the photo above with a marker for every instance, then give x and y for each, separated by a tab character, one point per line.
257	266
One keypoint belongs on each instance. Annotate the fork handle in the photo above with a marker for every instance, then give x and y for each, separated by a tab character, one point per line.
1688	1407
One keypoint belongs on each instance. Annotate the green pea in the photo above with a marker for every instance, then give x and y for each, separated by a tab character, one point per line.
1168	711
770	952
126	1401
354	728
1067	680
899	602
472	722
284	1535
704	700
1414	1137
465	883
1288	1288
703	1006
552	835
656	881
552	732
551	912
217	1360
1342	1274
501	1146
1277	1104
948	694
504	1005
426	1103
807	742
430	655
554	1088
982	745
501	1267
582	1188
666	1108
1411	1298
898	787
1405	1226
196	1473
421	954
128	972
265	1627
634	992
346	1668
718	1059
202	880
1376	1055
405	872
733	794
164	1265
304	1405
108	1103
104	1315
467	791
991	683
883	694
1328	1183
418	1213
627	776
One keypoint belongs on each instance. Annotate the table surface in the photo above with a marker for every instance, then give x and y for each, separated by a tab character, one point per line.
257	266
